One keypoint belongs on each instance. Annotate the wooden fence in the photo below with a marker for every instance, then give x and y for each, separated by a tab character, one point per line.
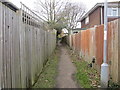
89	44
24	47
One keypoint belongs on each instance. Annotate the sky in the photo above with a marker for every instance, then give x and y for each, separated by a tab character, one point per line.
88	3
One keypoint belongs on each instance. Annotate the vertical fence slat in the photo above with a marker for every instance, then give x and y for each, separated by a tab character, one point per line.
4	51
1	46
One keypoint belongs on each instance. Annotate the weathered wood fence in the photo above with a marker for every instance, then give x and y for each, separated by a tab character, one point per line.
89	44
24	47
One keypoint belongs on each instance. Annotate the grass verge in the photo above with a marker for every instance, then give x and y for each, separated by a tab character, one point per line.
47	77
85	76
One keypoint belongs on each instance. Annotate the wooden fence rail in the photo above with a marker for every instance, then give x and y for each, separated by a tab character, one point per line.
24	47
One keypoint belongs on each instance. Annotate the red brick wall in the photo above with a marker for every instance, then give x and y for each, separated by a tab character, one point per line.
94	19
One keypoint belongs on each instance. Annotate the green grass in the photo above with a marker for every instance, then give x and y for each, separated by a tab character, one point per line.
47	77
85	76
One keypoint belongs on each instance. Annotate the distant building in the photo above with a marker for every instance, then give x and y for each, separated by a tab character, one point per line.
96	15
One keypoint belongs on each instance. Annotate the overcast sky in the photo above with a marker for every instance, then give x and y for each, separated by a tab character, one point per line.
30	3
88	3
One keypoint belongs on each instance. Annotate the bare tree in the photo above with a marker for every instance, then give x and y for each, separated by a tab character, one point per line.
59	12
48	9
73	12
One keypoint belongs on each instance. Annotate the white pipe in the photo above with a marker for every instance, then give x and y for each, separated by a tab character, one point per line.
105	31
101	15
104	66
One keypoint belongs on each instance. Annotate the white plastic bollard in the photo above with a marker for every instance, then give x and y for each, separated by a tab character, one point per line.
104	75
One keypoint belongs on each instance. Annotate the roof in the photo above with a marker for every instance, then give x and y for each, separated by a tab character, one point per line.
99	5
10	5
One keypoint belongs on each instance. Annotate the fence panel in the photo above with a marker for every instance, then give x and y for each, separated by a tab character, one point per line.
90	45
24	47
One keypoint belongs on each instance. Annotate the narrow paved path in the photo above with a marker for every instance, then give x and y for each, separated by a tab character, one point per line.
66	69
